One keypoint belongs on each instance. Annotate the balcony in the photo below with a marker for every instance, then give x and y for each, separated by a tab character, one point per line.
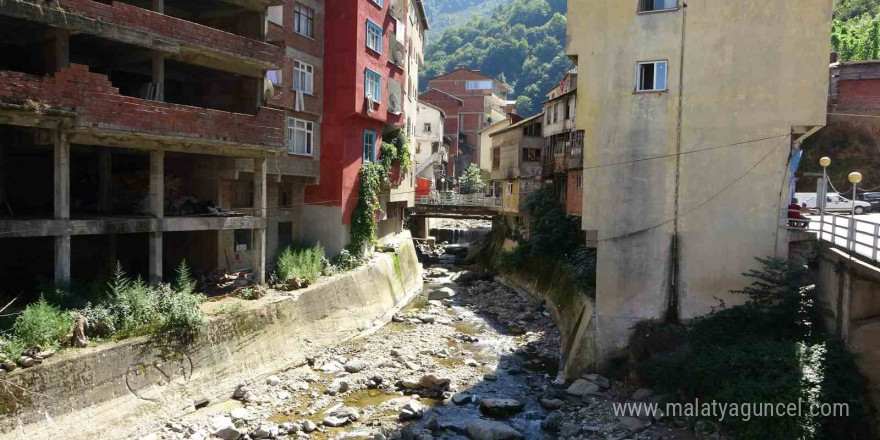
99	107
183	40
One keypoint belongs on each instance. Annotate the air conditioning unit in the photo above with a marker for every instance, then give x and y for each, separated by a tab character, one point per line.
397	57
394	104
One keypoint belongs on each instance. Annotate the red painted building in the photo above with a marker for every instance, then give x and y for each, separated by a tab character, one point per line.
482	101
367	43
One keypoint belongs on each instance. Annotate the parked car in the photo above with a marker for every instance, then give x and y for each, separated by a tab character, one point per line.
834	203
871	197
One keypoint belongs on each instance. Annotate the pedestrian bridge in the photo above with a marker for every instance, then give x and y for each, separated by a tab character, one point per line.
448	204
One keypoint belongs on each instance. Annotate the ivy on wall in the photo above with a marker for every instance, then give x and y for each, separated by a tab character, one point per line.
395	148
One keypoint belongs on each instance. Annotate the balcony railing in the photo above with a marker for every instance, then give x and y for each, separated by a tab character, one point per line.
450	198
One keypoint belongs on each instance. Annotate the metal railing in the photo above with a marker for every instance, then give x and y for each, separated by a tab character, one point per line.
450	198
855	235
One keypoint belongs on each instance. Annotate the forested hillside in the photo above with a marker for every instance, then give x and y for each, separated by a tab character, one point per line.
445	13
856	31
524	40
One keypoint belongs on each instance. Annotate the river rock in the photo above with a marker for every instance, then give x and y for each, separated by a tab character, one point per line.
240	414
434	382
598	380
462	398
309	426
223	428
337	386
273	381
471	363
346	412
412	410
569	429
582	387
441	293
500	407
642	394
334	422
355	366
330	367
552	422
552	403
490	430
265	430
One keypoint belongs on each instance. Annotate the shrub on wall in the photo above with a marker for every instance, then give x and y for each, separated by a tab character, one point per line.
300	261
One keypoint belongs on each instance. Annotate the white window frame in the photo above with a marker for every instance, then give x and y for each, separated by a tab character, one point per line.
509	188
304	128
655	88
303	77
642	9
480	85
374	36
373	83
427	127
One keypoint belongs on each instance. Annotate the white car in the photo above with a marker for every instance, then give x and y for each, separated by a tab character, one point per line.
837	203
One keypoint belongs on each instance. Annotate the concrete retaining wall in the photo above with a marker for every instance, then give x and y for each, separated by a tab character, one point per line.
99	392
575	316
850	291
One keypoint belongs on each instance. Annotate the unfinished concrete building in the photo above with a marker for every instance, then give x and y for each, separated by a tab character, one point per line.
137	132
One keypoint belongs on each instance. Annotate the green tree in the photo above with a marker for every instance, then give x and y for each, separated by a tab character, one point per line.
472	180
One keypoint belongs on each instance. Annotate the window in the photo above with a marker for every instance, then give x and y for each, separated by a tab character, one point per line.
374	36
369	146
373	85
377	2
304	20
657	5
651	76
479	85
274	76
427	127
496	158
509	189
533	130
531	154
303	77
547	117
276	15
285	234
569	109
435	147
242	240
300	136
579	181
241	194
556	113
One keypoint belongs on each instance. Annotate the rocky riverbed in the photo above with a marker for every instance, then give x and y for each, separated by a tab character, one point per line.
469	358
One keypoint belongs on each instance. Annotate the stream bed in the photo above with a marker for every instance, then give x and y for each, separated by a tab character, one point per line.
468	358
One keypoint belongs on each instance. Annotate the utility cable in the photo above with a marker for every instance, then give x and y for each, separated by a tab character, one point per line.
713	197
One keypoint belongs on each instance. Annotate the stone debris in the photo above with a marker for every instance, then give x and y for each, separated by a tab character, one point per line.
473	359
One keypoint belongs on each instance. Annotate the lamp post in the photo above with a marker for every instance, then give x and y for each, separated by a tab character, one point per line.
824	162
854	178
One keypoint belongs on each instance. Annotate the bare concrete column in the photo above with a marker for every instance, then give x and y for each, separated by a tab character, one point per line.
104	180
157	209
158	74
260	211
159	6
62	206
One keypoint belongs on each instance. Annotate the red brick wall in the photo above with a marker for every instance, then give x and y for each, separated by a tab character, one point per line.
100	106
175	29
862	93
284	34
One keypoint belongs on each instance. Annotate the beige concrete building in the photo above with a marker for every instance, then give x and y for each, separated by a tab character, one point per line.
691	114
516	163
431	152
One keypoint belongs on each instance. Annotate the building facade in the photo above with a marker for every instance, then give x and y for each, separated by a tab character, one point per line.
483	102
516	164
375	45
431	150
144	136
563	145
690	117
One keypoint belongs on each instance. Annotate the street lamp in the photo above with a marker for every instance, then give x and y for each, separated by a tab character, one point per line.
824	162
854	178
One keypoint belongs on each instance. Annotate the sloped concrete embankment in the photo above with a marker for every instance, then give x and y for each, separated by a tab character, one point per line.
96	392
573	312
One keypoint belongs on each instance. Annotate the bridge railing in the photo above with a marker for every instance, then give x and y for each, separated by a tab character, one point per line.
449	198
855	235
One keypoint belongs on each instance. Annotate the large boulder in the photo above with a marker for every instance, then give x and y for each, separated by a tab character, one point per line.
582	387
489	430
441	293
500	407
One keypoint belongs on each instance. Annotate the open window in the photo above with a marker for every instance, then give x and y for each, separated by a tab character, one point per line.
657	5
651	76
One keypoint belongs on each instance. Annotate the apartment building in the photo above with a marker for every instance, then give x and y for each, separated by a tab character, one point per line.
431	147
690	120
563	144
516	164
472	101
144	134
376	47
